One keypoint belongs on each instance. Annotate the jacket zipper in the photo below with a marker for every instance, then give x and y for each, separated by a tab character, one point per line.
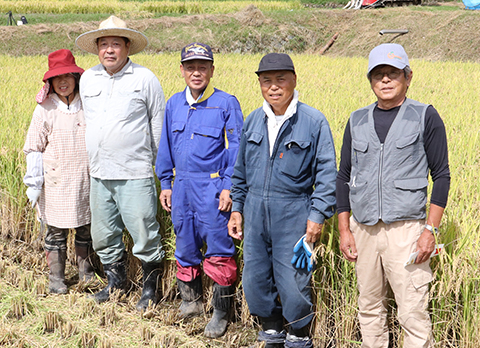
380	183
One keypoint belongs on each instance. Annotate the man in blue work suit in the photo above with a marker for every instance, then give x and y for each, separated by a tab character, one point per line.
284	185
200	142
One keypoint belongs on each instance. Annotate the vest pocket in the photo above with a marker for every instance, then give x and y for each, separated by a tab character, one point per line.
359	153
411	194
407	140
358	190
411	184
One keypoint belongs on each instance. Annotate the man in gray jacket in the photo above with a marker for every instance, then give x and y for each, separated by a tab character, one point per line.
388	150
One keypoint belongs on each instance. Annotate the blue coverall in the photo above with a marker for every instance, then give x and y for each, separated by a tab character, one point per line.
199	144
276	195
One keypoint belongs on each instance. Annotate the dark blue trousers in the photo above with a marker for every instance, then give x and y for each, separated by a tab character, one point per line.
272	227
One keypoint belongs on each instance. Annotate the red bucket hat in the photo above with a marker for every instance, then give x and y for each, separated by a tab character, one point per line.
59	62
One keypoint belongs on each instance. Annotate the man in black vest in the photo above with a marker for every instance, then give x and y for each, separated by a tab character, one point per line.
388	150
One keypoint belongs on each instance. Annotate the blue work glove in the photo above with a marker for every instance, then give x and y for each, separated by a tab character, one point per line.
302	257
33	194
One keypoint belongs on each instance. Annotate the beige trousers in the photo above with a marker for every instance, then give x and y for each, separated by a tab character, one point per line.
382	251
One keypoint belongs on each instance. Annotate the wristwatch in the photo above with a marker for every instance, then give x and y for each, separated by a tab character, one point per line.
432	229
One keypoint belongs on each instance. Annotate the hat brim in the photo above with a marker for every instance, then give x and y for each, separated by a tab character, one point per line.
63	70
88	41
395	64
258	72
198	58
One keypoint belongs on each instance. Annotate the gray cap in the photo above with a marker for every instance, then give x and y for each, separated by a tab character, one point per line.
275	62
388	54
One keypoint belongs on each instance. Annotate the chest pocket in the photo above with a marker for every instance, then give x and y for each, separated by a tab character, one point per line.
207	141
408	148
294	158
253	149
91	101
178	129
130	102
359	155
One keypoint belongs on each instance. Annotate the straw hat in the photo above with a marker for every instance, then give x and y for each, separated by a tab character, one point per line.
113	26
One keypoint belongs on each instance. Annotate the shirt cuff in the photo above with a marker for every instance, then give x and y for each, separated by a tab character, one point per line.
316	217
227	183
237	206
166	185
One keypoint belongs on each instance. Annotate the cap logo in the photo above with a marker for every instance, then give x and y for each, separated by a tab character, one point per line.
392	55
195	49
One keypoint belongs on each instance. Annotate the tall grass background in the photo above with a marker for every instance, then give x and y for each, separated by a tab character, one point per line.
119	6
336	86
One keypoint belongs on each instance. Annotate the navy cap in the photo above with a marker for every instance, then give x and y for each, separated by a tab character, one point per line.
388	54
275	62
196	50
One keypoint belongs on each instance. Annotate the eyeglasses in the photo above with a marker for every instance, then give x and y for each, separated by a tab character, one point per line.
392	75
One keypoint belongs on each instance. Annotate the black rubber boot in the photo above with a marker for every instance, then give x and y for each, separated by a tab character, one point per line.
275	323
191	293
56	263
222	307
149	297
84	254
117	280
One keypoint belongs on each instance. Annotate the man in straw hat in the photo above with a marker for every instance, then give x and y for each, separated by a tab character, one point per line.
388	149
123	104
284	189
200	140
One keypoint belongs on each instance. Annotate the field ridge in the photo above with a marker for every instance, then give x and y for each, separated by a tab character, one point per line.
436	33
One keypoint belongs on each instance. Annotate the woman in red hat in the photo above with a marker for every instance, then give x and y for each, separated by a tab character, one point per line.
57	168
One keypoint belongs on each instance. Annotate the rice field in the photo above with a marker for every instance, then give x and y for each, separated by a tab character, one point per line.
118	6
336	86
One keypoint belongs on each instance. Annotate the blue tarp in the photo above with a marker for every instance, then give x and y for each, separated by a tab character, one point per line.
472	4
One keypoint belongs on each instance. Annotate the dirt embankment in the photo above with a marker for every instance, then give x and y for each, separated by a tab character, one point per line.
434	34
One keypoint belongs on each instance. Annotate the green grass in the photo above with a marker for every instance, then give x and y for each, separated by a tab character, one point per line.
42	18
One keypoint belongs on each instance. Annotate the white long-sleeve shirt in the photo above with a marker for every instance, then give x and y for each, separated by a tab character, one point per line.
124	115
274	122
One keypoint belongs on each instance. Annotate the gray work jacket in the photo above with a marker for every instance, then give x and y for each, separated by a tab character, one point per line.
389	181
